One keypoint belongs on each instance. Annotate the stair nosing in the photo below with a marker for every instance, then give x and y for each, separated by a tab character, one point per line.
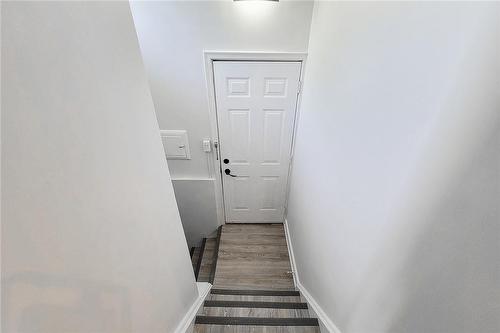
256	321
254	292
255	304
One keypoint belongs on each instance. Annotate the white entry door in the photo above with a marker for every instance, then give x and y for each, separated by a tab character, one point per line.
256	104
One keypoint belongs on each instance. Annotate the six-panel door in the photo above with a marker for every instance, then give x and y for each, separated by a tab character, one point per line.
256	104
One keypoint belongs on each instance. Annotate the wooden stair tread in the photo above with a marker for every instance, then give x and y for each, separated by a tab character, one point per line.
250	298
207	261
255	292
256	321
201	328
194	257
255	312
256	304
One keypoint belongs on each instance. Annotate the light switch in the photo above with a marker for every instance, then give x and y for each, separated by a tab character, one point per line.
207	145
175	144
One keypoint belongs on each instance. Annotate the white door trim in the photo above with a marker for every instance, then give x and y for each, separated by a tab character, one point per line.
209	58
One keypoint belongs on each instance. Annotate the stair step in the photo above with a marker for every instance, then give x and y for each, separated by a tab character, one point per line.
255	329
207	261
250	298
256	321
255	312
194	257
200	258
216	255
254	304
255	292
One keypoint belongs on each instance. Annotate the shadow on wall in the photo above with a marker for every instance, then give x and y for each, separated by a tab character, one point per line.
195	200
439	271
453	267
455	258
34	301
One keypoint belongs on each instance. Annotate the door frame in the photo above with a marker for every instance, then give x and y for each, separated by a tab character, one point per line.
215	163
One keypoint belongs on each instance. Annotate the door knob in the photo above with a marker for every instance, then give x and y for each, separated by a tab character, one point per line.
228	172
226	161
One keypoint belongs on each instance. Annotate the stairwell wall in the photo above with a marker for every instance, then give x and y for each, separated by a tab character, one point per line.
393	211
91	236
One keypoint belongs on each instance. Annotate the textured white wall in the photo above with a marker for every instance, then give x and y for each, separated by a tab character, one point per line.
91	235
173	36
395	189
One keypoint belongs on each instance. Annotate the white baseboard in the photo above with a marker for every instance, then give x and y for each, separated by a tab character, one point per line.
326	322
290	253
180	179
203	290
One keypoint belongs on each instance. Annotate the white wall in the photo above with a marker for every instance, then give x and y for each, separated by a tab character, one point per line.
394	204
91	235
195	199
173	36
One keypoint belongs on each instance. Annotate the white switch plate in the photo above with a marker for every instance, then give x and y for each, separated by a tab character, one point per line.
207	145
175	144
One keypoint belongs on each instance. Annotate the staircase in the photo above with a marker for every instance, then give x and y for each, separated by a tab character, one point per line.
255	255
204	258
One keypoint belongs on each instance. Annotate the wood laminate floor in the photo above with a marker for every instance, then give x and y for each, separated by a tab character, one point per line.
254	329
253	289
253	256
208	260
255	298
194	258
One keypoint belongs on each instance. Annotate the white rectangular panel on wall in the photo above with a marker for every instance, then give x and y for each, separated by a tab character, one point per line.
175	144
